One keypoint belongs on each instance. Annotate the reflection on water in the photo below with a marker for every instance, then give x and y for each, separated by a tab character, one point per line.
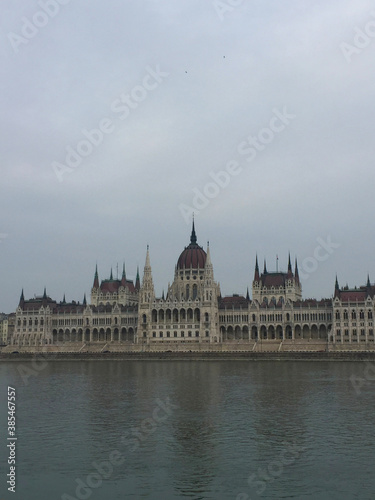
193	429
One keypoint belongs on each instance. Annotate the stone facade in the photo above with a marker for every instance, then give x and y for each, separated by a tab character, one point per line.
353	313
194	315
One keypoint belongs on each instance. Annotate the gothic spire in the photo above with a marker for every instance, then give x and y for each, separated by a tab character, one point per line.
22	298
289	264
96	278
265	267
256	272
111	277
137	280
296	275
84	300
147	289
123	277
193	237
337	288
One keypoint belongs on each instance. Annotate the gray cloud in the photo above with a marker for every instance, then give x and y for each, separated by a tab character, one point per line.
224	79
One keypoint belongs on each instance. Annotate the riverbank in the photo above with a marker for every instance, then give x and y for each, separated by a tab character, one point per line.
180	356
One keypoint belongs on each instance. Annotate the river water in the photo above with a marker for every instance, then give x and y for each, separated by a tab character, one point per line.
165	430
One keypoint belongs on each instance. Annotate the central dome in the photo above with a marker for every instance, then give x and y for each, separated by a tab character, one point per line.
193	255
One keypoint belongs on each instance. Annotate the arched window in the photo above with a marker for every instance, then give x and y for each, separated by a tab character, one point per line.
354	314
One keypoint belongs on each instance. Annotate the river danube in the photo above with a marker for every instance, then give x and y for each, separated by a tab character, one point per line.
166	430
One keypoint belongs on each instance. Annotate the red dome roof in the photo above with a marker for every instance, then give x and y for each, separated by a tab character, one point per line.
193	255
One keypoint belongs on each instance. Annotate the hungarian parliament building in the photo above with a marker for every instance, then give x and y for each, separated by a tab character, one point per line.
123	314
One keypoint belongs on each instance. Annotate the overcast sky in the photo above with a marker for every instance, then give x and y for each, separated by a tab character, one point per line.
279	94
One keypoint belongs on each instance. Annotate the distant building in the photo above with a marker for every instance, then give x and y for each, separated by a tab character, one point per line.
3	329
193	311
353	314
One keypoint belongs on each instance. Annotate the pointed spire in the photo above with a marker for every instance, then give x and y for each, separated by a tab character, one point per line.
22	299
96	278
111	277
123	277
163	298
84	300
137	280
256	272
247	294
64	301
208	255
193	237
45	293
337	288
147	289
147	263
265	267
289	264
296	275
368	281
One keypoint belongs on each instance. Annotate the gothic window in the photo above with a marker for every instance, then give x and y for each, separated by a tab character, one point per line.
195	292
369	315
338	315
345	314
187	292
354	315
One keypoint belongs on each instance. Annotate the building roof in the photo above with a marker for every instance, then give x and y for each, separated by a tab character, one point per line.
193	256
233	302
112	285
273	279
